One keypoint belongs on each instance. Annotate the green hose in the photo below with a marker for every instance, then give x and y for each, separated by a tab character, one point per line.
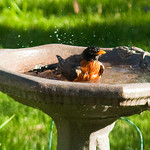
138	130
50	136
122	118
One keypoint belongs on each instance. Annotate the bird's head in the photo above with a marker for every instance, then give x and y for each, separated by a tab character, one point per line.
92	53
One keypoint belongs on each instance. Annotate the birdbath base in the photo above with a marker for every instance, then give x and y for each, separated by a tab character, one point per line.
74	134
99	140
85	127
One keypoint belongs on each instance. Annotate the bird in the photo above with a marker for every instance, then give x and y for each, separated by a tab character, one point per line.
83	67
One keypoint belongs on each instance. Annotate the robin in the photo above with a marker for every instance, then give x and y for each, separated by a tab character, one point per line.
84	67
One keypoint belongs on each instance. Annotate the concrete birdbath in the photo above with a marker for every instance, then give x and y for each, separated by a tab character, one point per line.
84	113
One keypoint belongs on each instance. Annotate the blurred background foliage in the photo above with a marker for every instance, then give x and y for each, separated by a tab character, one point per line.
104	23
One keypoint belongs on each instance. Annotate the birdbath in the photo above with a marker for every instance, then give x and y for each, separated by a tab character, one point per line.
84	113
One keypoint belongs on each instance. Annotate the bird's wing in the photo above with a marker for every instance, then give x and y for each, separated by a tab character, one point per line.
67	67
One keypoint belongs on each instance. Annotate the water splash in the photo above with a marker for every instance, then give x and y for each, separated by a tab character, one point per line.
57	35
71	38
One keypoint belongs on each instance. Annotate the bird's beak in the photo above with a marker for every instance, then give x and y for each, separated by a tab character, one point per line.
100	52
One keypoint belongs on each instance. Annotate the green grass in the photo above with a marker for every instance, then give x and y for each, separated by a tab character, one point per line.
25	23
125	137
28	130
105	23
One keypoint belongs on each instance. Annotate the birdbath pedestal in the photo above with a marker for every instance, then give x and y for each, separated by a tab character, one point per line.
84	113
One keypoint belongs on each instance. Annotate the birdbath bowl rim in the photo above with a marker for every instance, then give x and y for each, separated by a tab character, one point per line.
119	92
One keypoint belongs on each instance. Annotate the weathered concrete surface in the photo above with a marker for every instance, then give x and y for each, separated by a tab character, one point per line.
99	140
78	109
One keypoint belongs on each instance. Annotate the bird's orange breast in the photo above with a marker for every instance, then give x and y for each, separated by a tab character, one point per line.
90	70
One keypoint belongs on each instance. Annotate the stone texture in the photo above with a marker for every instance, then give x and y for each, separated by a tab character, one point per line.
78	109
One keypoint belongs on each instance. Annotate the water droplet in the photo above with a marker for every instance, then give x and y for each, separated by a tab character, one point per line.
31	41
71	42
19	36
50	36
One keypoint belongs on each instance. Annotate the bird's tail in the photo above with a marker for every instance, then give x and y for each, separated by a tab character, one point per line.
60	59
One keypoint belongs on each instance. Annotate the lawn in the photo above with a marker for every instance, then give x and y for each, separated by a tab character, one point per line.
105	23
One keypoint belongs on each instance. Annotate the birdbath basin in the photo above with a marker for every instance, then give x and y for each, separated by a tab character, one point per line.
84	113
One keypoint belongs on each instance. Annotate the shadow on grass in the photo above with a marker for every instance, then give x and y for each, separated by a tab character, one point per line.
102	35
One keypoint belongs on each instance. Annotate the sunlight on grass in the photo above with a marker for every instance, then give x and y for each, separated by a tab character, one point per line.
102	23
127	137
28	130
105	23
6	122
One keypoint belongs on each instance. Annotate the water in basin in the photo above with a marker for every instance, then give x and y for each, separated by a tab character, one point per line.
111	75
117	75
